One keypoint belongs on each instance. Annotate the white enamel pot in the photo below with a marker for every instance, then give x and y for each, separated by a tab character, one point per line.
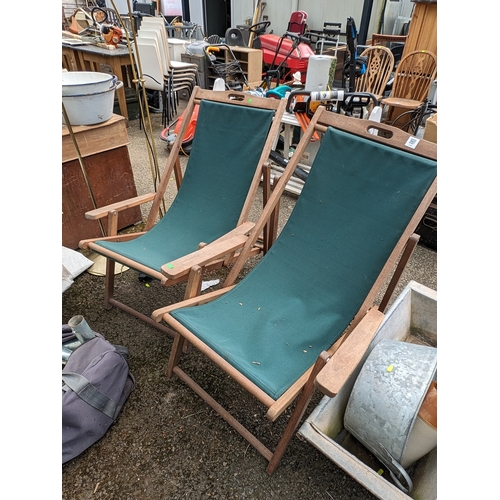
86	82
90	108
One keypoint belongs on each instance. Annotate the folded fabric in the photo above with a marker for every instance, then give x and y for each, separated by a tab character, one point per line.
73	264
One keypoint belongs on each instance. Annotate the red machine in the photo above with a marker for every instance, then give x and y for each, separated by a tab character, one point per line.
288	53
170	133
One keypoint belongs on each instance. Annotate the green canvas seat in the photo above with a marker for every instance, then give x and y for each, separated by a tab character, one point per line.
308	287
218	176
361	202
215	194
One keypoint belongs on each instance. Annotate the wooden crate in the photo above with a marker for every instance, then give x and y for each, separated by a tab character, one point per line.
107	164
411	318
250	61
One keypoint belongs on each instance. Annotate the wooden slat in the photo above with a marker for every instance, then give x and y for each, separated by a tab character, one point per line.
158	314
422	34
265	452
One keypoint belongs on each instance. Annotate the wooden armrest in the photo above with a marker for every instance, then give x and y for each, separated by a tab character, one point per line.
158	314
119	206
222	246
346	359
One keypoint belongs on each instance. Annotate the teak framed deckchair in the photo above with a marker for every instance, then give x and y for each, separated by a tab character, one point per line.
350	231
234	136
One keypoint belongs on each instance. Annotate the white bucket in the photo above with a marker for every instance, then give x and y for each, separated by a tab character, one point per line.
90	108
86	82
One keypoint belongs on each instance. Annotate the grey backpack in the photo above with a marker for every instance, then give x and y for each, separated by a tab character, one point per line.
96	383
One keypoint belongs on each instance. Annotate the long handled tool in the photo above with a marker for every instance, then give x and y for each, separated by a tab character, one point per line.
256	17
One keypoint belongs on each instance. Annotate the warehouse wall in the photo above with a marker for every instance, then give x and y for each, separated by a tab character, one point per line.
320	11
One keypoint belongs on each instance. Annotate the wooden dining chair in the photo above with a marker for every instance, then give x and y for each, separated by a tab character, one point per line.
412	81
379	67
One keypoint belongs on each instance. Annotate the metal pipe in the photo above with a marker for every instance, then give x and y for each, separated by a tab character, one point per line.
82	164
138	80
81	328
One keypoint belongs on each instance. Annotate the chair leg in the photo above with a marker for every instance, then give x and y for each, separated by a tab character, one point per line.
109	285
274	219
175	354
298	413
193	285
266	193
193	289
164	109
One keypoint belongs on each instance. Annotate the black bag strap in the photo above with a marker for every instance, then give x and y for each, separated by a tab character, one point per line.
90	394
121	350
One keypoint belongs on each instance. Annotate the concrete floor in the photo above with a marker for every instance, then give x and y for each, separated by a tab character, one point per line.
166	442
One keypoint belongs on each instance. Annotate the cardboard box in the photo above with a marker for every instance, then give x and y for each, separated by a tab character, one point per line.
411	318
430	131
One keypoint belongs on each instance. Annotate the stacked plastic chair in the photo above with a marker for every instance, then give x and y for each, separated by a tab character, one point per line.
182	76
153	75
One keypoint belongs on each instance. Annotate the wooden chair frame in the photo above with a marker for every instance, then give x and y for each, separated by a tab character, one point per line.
387	40
209	258
357	336
412	81
379	68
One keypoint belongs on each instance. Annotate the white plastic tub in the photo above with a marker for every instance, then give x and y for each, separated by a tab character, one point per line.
86	82
90	109
177	47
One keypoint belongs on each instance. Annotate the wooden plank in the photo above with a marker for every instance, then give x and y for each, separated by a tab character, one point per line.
93	139
422	34
111	178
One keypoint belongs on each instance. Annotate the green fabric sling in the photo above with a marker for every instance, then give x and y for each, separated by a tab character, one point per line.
224	156
356	202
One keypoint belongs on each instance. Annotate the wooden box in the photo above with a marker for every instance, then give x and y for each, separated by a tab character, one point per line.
250	61
430	131
412	318
106	161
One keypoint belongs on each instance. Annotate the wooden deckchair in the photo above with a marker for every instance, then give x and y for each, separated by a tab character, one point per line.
235	133
350	231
